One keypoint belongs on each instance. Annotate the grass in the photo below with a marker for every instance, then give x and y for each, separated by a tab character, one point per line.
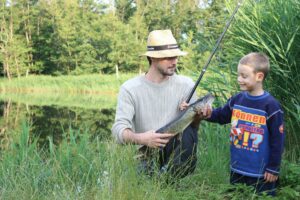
81	168
87	101
85	84
85	91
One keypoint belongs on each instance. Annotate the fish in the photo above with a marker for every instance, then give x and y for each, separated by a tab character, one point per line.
184	118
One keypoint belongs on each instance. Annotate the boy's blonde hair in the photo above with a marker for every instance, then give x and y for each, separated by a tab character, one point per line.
258	61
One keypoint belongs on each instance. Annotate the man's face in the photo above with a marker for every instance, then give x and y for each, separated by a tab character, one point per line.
166	66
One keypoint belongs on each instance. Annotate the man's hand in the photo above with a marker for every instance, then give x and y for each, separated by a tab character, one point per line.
270	177
154	140
149	138
183	106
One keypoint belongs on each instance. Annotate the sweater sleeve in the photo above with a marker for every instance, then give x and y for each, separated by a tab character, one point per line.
222	115
276	130
124	115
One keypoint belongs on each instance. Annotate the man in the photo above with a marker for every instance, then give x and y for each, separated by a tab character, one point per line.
148	102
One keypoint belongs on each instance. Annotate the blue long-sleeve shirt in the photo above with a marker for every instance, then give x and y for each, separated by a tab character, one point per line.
256	135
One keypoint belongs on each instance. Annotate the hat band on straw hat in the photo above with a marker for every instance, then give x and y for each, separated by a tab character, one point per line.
162	47
162	44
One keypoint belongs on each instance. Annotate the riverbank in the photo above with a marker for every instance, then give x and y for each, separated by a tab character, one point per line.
84	84
86	91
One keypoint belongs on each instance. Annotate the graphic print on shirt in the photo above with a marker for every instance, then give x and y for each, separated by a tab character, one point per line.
248	127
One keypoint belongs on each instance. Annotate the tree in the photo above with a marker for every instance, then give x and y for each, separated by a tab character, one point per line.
125	9
14	51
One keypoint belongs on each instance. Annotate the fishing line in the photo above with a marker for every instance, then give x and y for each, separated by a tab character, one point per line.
214	50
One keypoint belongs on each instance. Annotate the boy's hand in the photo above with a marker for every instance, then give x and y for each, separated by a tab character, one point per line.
206	111
270	177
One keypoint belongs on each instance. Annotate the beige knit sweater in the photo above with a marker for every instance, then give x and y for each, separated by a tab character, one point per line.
144	105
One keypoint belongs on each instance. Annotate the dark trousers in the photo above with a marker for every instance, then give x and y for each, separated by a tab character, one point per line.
179	157
259	184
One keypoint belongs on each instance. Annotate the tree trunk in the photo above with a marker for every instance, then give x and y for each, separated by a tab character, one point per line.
3	47
28	35
117	71
18	67
6	67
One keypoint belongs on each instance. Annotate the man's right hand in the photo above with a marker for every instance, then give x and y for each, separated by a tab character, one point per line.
149	138
154	140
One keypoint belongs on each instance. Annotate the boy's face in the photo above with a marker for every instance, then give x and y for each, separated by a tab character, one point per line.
248	79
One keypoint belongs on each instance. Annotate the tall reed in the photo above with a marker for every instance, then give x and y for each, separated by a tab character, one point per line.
273	27
81	168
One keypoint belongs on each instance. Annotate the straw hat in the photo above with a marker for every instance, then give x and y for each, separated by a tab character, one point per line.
161	44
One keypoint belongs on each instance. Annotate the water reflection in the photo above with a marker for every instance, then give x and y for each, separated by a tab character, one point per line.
52	121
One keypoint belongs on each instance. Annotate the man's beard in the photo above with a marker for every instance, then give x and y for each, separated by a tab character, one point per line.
167	72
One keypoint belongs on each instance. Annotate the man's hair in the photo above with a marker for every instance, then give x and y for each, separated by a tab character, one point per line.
258	61
149	60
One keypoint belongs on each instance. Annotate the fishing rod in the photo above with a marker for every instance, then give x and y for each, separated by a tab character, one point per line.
214	51
144	148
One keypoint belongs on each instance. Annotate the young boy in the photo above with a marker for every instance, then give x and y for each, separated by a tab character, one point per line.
256	135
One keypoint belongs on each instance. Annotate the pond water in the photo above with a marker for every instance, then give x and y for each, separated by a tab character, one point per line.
53	119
